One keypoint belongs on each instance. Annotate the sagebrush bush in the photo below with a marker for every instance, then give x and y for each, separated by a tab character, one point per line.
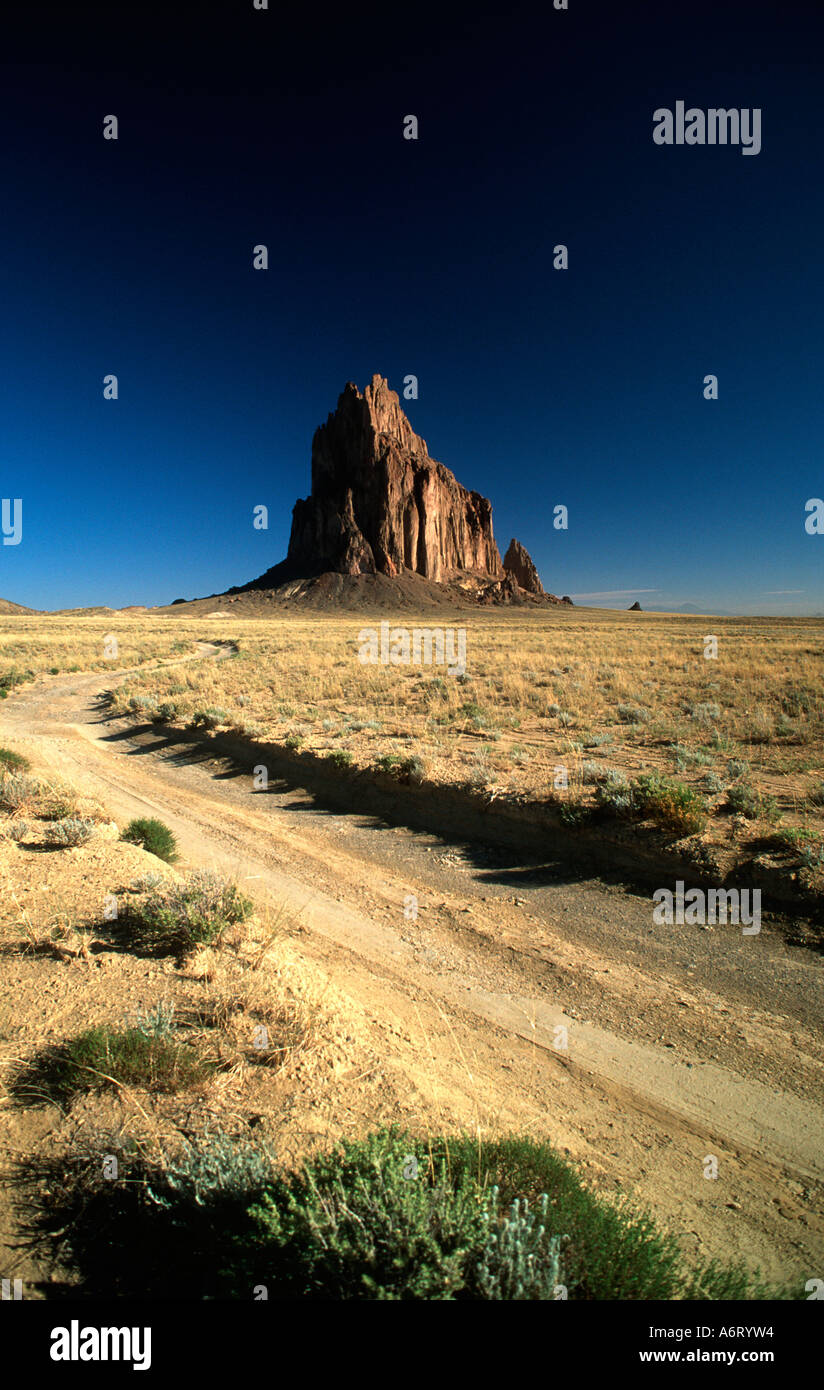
412	769
154	836
478	717
72	830
520	1262
671	805
15	829
745	801
633	714
737	767
209	718
217	1165
706	712
689	757
800	701
17	789
598	740
195	912
143	704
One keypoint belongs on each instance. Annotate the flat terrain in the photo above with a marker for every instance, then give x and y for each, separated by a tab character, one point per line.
553	704
683	1042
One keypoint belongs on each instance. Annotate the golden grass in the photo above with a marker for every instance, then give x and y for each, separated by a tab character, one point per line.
586	690
36	646
541	689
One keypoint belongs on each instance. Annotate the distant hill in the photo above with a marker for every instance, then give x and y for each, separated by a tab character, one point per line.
6	606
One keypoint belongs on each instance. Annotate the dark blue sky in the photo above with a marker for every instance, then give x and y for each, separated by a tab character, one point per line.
432	257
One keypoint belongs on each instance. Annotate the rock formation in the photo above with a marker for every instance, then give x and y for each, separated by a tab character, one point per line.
518	563
635	607
380	505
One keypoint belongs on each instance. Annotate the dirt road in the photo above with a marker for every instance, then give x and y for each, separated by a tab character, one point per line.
682	1043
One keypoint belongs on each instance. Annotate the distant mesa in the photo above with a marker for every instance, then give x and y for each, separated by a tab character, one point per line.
385	521
635	607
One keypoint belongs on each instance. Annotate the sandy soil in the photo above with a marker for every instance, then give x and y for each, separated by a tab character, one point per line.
683	1042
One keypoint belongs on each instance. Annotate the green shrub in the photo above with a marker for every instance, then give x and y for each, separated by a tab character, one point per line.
812	856
412	769
474	712
737	767
9	679
361	1222
574	814
388	1217
209	718
340	758
391	1217
802	700
689	757
745	801
15	762
794	836
143	704
154	836
177	917
105	1055
671	805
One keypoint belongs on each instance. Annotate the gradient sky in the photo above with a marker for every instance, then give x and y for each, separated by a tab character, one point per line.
433	257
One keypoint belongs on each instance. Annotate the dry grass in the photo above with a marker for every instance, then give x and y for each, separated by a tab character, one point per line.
53	645
591	692
596	693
